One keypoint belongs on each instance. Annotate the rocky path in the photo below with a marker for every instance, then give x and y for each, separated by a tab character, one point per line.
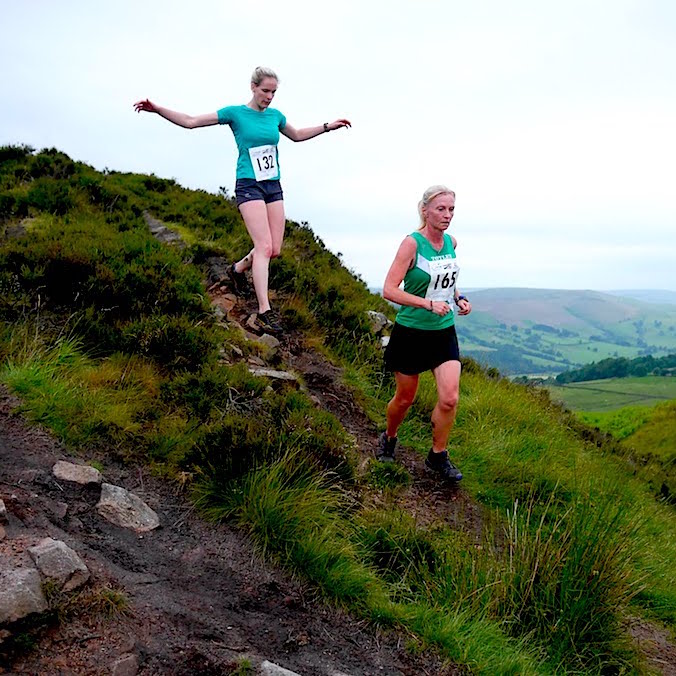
200	598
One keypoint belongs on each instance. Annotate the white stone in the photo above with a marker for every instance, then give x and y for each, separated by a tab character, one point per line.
79	474
3	512
20	594
269	341
57	561
125	509
378	321
384	341
271	669
272	373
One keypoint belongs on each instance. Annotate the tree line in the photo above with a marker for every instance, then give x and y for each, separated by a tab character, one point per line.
621	367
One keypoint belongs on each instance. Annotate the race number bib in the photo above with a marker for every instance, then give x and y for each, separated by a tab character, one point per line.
443	275
264	162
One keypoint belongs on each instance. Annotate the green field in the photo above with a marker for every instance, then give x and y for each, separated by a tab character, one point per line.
548	331
614	393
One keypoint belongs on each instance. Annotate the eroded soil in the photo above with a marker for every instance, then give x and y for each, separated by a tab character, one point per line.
200	596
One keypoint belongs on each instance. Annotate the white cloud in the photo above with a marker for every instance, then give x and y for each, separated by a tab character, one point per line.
553	122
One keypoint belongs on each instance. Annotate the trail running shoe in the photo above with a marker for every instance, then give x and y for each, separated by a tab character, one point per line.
442	466
268	322
239	281
386	446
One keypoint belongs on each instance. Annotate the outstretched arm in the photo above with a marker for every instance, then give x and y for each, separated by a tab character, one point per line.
310	132
181	119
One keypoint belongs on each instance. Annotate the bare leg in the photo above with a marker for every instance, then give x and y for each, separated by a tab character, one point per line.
255	216
277	222
447	376
398	407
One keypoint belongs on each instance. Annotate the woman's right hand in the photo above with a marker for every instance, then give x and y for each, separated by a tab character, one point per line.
146	105
440	307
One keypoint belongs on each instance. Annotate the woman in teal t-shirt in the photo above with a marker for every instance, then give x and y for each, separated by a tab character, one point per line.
423	337
258	191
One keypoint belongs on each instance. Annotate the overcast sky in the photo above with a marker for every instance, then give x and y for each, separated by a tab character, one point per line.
554	122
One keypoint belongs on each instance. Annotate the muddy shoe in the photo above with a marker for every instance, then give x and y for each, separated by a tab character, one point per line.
385	449
239	282
442	466
268	322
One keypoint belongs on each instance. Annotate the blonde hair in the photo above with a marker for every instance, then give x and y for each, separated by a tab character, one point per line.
260	73
429	194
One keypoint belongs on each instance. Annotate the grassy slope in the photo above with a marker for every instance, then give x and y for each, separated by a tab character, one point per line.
626	408
148	391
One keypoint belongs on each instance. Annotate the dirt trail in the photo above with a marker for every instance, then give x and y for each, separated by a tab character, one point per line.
426	499
200	596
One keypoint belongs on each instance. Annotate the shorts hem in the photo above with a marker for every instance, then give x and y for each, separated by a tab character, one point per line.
251	190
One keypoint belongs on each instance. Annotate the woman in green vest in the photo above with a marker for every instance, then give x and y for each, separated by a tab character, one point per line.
423	337
258	192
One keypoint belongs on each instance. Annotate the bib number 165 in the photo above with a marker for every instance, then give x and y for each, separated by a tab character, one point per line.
443	281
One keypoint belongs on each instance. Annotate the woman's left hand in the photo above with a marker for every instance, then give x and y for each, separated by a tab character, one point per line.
464	307
338	124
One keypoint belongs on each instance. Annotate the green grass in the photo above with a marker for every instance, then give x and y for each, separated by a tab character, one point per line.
614	393
108	339
298	517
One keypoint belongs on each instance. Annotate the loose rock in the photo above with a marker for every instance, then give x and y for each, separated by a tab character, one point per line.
271	669
251	322
270	341
79	474
161	232
20	594
378	321
57	561
59	509
125	509
272	373
224	304
3	512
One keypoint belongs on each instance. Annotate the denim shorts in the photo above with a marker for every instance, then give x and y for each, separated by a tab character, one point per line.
249	189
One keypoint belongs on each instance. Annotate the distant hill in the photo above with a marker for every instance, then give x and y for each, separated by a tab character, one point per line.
648	295
522	330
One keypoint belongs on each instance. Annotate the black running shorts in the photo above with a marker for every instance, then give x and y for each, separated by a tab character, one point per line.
412	351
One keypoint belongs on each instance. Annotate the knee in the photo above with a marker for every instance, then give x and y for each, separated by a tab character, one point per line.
448	402
404	399
263	250
275	252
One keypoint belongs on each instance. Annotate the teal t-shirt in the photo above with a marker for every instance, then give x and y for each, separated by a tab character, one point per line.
257	130
433	276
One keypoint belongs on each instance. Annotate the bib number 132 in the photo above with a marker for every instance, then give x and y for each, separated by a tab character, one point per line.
263	161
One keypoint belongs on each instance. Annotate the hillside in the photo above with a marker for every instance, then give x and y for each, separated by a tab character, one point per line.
137	357
549	331
660	296
640	414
